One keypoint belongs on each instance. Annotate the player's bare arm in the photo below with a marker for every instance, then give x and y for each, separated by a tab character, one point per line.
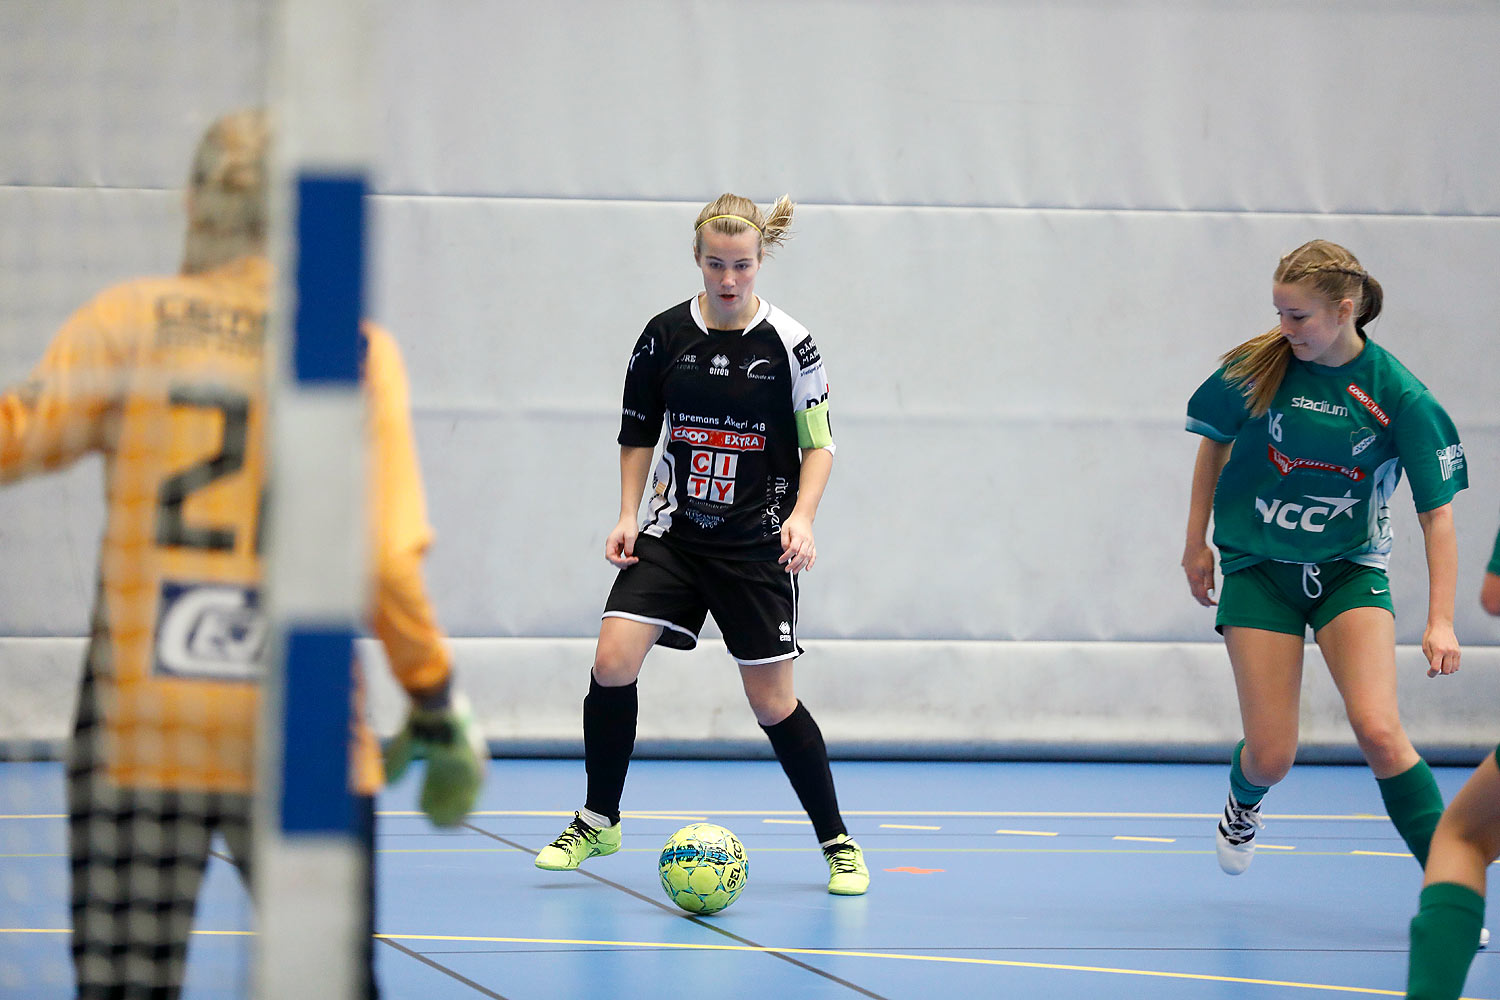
1197	554
1439	643
798	550
635	464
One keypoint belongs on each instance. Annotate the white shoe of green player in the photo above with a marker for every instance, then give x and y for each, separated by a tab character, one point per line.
1235	836
577	844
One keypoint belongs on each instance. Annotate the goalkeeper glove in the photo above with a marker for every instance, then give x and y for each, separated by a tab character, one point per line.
445	736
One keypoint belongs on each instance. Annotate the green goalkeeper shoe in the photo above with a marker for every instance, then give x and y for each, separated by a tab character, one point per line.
847	874
577	844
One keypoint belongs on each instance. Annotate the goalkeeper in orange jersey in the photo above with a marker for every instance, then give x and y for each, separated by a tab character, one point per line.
164	377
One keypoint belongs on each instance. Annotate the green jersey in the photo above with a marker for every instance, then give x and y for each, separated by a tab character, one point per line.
1494	566
1311	480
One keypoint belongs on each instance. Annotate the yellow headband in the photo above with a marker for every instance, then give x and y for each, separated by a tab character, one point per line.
741	218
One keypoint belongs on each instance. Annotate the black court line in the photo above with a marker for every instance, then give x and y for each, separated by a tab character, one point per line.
403	949
408	952
674	911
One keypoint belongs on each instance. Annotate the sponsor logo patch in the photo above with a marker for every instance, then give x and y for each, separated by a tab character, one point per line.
644	349
1285	464
1450	460
708	522
758	369
807	353
779	488
1369	403
711	476
1313	517
210	632
1319	406
714	438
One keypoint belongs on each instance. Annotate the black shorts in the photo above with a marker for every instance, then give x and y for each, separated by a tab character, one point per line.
754	602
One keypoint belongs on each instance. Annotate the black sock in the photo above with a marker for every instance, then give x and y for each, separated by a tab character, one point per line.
609	715
804	757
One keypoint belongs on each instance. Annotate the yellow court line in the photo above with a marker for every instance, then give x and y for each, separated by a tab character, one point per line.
1028	833
22	857
940	959
906	826
1152	840
34	816
789	822
827	953
672	816
875	850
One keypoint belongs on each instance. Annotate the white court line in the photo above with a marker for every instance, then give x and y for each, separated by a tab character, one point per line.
1028	833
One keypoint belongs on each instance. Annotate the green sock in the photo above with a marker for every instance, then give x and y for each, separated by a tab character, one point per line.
1245	793
1444	938
1414	803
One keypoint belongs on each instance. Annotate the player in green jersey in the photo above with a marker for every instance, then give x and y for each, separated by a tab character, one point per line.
1307	430
1448	926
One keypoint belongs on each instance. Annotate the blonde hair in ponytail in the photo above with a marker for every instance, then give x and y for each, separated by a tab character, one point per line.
731	214
227	191
1259	364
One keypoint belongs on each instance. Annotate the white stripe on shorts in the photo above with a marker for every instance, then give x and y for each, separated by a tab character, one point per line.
650	621
793	653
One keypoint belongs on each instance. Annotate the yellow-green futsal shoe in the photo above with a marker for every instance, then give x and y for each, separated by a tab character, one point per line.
577	844
847	874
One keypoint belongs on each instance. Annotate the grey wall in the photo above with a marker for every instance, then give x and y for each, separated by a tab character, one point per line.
1026	231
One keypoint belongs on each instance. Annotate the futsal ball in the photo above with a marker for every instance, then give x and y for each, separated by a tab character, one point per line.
703	868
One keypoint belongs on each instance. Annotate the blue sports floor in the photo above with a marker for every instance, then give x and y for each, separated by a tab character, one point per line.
989	880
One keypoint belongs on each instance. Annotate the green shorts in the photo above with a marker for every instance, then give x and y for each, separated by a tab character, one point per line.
1288	597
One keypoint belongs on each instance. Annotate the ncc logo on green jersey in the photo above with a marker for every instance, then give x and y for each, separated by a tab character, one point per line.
1313	517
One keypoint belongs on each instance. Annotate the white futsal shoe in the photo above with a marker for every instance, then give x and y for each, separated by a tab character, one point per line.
1235	836
1484	937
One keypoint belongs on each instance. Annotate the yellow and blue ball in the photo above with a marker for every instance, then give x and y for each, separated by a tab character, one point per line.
703	868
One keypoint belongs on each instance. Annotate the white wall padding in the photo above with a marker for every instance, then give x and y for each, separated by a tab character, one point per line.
1138	700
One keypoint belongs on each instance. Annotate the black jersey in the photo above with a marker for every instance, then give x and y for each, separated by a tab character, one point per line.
738	406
